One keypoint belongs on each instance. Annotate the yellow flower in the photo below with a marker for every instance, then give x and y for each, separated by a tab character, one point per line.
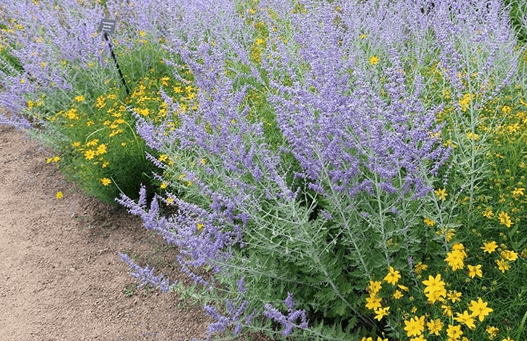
454	332
92	142
429	221
472	136
433	283
505	219
503	265
381	312
419	338
415	326
488	213
441	194
79	98
402	287
454	296
518	192
363	36
393	276
101	149
508	339
373	302
455	259
374	60
466	319
492	331
435	289
474	271
59	195
509	255
397	294
434	326
420	267
489	247
105	181
163	185
479	309
506	109
101	102
89	154
447	310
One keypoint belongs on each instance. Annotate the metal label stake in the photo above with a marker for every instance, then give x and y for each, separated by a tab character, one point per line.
107	27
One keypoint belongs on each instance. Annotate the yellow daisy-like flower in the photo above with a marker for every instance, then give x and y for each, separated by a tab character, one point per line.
455	259
454	332
447	310
101	149
489	247
59	195
393	276
429	221
434	326
374	60
89	154
402	287
419	338
441	194
373	302
381	312
479	309
466	319
105	181
92	143
420	267
415	326
503	265
454	296
397	294
509	255
505	219
163	185
474	271
79	98
492	331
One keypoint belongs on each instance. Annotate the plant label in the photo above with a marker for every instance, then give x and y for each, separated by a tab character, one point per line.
107	26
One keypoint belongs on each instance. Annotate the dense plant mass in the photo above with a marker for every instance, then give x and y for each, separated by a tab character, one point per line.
329	170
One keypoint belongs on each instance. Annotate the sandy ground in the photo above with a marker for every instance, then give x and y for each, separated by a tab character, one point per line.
60	274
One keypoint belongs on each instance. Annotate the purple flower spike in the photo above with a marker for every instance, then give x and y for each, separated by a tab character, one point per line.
287	321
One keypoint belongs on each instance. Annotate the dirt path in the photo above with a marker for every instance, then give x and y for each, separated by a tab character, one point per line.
60	275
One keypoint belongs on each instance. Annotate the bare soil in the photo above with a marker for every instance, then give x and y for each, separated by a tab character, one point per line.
60	274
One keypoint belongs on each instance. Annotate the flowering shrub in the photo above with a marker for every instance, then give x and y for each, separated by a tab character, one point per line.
331	165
